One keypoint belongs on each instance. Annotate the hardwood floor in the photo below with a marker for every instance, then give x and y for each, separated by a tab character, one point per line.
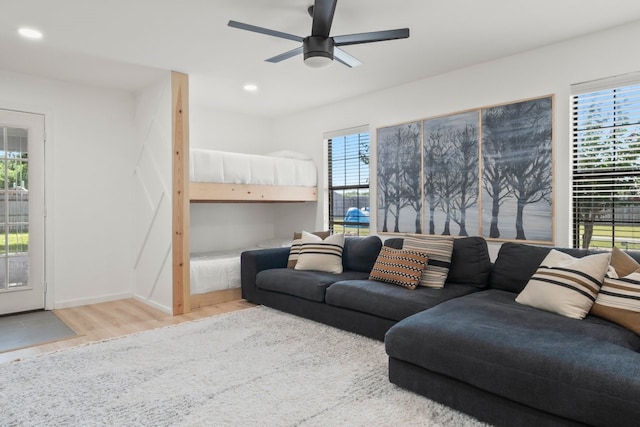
98	322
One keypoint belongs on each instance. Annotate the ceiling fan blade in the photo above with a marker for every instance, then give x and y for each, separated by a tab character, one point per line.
344	58
375	36
285	55
323	11
240	25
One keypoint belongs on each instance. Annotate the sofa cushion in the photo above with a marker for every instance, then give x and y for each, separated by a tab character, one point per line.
470	262
566	285
305	284
394	242
587	370
399	267
516	263
360	253
390	301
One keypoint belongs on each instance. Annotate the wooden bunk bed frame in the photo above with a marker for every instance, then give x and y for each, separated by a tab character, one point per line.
185	192
214	192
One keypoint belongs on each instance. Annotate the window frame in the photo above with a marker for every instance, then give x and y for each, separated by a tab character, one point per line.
591	178
358	228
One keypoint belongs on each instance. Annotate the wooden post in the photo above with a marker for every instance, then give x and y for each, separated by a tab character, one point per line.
180	192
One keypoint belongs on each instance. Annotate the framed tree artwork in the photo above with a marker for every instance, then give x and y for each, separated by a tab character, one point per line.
517	169
484	172
399	178
451	170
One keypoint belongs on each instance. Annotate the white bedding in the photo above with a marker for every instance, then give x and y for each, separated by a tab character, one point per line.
215	271
238	168
220	270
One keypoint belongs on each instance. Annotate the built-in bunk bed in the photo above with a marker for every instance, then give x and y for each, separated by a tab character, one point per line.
219	176
208	176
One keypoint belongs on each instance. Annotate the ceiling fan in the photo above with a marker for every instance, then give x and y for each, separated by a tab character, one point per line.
319	48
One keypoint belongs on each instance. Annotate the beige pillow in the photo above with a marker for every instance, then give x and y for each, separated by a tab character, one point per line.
295	246
619	301
320	255
566	285
623	263
439	250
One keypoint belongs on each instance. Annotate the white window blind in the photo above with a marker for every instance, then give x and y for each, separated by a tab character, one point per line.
606	164
349	183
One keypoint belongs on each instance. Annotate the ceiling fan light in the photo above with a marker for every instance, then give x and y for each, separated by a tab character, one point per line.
318	61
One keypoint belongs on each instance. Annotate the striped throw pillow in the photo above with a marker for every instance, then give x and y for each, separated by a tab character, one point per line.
619	301
566	285
294	252
323	255
399	266
439	250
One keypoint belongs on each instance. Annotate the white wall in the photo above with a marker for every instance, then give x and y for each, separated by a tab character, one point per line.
152	189
549	70
216	226
88	165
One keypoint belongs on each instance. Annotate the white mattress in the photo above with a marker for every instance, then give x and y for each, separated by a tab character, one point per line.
215	271
238	168
220	270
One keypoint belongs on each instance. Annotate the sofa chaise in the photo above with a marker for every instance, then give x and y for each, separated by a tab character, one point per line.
514	365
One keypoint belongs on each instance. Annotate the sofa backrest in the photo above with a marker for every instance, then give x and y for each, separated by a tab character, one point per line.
517	262
360	253
470	261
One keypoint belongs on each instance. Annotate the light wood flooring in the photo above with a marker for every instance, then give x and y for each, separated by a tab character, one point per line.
97	322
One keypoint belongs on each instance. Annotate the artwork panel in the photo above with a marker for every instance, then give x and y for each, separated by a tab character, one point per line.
399	178
517	153
537	217
451	170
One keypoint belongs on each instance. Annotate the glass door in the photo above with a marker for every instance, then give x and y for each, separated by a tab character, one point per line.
21	212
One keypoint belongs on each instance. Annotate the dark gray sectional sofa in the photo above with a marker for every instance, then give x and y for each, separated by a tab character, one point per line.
470	345
349	300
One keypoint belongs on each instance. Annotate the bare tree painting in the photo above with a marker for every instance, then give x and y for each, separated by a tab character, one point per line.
483	172
399	179
451	168
517	157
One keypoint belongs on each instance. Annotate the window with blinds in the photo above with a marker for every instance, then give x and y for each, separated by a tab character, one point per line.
606	166
349	184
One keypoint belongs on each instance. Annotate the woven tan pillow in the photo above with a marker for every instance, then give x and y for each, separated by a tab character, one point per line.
399	266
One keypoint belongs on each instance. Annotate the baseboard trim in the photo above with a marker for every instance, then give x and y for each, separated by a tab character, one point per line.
154	304
215	297
93	300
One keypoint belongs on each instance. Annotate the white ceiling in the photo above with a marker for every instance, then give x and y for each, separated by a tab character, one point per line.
123	43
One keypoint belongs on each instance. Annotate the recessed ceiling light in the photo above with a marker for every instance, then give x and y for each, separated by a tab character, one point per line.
251	87
30	33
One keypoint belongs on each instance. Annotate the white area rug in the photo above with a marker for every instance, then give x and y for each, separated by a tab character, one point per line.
255	367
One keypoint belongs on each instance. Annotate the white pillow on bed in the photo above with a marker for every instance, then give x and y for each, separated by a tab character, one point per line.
288	154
